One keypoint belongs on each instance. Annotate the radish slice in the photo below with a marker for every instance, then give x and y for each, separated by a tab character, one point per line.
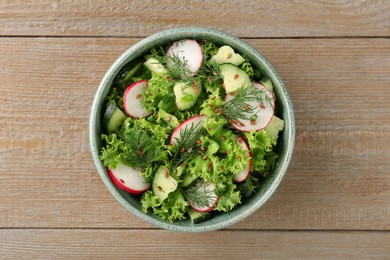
132	99
195	122
241	176
128	179
205	192
261	116
189	53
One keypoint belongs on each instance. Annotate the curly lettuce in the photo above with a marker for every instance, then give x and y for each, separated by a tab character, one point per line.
229	199
159	87
261	145
137	144
248	68
174	207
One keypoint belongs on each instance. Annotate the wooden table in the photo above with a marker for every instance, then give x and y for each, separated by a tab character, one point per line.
334	57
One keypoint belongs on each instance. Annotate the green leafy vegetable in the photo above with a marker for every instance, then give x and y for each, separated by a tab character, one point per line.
209	154
229	199
172	208
239	108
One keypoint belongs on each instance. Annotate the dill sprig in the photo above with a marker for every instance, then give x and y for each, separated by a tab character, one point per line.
178	68
142	147
199	195
186	146
239	107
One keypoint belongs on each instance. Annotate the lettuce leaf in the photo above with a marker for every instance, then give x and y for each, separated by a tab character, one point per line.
138	144
166	119
209	49
158	88
174	207
261	145
211	105
248	68
229	199
115	97
214	125
111	154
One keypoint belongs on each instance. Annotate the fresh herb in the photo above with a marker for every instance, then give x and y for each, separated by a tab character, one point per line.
199	195
142	147
239	107
179	70
186	147
177	67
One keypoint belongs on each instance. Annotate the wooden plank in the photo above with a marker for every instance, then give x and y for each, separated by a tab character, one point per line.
339	177
263	18
157	244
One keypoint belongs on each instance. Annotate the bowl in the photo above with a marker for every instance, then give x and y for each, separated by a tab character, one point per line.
284	148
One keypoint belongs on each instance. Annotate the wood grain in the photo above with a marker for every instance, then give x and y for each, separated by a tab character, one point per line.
264	18
157	244
339	178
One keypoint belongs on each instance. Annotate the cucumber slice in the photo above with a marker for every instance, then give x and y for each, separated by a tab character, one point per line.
267	82
186	95
188	179
163	183
113	118
234	78
197	217
155	66
226	54
128	71
274	127
243	187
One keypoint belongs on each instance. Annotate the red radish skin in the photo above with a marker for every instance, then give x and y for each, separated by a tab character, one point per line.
189	52
186	124
241	176
264	115
128	179
208	209
132	99
208	186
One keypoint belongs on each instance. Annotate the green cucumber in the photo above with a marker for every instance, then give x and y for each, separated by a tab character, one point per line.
257	74
188	179
243	187
267	82
186	95
234	78
226	54
163	183
197	217
155	66
113	118
168	104
274	127
128	71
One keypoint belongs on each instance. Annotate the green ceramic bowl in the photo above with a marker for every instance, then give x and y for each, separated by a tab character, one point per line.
285	144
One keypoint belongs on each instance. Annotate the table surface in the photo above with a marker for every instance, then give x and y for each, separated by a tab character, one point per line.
334	57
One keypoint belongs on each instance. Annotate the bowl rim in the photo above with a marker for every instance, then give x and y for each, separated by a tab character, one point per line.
182	33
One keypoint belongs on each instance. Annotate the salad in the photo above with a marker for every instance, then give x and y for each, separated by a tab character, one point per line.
191	128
